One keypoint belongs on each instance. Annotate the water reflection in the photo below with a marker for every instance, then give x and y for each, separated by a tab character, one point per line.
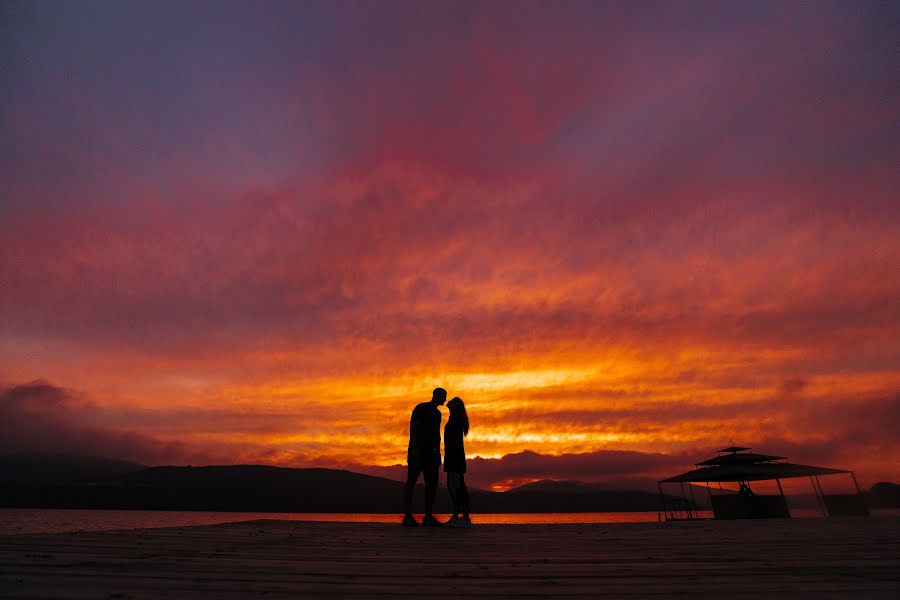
26	520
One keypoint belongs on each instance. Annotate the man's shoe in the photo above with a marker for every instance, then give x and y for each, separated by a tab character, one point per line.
410	521
453	521
430	521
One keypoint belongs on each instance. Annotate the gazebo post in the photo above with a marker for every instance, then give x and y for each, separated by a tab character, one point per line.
819	501
684	498
662	500
709	493
859	494
781	491
693	502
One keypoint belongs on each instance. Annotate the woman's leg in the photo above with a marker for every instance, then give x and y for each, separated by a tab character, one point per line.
463	496
453	480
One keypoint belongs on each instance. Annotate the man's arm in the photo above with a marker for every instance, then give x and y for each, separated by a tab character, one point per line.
436	432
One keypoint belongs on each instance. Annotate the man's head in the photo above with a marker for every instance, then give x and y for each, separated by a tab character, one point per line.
438	396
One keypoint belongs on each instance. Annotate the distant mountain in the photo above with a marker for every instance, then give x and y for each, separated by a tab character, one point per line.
251	488
555	487
60	481
571	496
884	495
30	469
257	488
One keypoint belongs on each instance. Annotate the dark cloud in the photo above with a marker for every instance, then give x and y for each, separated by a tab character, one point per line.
869	426
601	466
616	469
39	417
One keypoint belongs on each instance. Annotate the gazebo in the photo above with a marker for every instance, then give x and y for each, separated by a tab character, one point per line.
741	466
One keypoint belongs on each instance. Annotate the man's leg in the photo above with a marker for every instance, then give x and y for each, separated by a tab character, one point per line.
412	476
431	483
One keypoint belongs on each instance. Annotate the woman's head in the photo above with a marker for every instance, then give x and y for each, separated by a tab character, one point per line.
458	412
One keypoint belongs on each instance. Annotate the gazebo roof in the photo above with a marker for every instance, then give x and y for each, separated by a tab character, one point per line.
746	457
754	471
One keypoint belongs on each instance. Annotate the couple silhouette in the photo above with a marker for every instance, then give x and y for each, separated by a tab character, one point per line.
424	457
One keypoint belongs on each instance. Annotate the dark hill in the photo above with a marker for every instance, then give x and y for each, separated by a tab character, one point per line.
262	488
884	495
51	469
251	488
571	496
554	487
256	488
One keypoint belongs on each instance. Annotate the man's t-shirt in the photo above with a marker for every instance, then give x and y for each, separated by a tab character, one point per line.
425	434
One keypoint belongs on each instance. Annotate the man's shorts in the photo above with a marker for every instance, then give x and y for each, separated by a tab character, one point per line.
426	465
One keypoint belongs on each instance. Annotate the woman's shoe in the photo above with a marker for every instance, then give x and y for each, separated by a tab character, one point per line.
464	523
410	521
453	521
430	521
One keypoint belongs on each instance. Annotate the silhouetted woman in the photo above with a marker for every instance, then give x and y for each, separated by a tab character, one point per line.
455	430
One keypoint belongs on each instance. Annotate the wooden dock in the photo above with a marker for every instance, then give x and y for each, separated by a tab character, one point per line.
815	558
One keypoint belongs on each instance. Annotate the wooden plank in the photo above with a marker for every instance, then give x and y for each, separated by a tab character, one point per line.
813	558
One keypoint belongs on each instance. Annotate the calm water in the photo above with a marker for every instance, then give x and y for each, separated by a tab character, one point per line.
28	520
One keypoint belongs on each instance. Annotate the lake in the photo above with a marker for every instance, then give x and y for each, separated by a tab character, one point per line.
39	520
29	520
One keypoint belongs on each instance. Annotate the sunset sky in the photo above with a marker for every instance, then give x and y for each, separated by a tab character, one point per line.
625	233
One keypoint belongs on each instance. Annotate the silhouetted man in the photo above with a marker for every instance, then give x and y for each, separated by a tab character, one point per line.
424	456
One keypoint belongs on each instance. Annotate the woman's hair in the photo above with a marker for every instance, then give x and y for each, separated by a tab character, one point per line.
458	413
